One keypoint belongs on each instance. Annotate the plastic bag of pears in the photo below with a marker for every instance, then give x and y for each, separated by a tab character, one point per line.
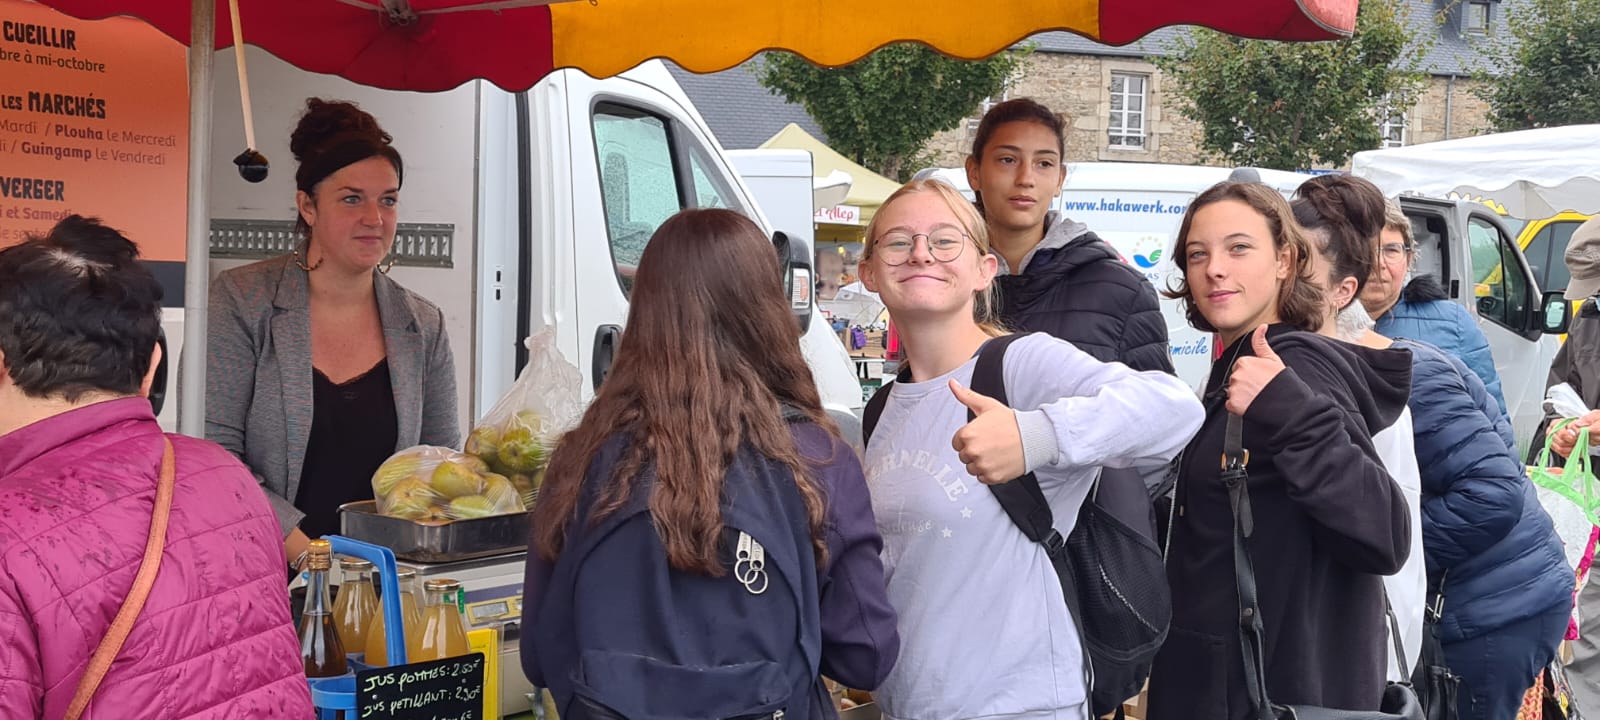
516	436
437	484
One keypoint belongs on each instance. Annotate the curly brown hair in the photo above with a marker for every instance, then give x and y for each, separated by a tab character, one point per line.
1300	300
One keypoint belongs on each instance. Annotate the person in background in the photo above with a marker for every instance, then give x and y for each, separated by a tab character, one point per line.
1416	308
1329	521
705	450
1342	216
1578	365
320	366
1054	274
1482	527
986	632
80	457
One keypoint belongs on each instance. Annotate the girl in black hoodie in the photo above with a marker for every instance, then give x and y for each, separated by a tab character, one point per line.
1328	519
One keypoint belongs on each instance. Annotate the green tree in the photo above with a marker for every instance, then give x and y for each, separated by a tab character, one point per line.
1549	67
881	109
1293	106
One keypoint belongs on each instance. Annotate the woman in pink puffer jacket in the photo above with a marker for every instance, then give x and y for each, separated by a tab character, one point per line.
80	453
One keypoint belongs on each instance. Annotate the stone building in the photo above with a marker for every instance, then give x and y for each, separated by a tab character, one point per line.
1118	105
1119	109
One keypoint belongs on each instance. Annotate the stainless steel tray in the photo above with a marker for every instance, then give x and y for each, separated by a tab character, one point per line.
431	541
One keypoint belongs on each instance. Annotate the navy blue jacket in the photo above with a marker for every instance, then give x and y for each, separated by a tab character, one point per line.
1426	313
603	601
1483	529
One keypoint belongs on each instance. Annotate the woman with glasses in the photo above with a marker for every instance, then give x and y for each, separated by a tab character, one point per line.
1416	307
985	631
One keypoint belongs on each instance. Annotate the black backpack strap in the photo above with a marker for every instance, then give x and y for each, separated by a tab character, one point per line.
880	398
1021	498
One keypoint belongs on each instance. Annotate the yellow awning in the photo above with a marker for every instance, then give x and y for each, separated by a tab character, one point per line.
867	188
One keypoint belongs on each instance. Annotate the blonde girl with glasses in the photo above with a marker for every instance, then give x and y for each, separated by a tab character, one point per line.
985	631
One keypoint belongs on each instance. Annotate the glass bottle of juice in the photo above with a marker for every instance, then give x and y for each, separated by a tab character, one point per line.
320	648
377	650
356	604
443	633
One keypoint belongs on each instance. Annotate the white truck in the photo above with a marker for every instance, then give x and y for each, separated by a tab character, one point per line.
519	210
1138	207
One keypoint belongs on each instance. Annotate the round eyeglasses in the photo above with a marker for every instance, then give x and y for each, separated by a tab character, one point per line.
944	244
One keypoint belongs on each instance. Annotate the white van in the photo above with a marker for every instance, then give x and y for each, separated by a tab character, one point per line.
519	210
1138	207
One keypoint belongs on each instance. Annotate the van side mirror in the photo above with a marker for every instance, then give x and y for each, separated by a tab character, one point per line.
1557	313
794	261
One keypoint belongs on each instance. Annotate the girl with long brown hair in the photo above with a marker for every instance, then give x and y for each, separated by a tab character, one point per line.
704	489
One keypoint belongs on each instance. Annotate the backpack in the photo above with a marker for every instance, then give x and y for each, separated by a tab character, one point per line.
1110	566
654	643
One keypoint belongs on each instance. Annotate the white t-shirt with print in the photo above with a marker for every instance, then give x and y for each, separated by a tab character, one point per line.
984	630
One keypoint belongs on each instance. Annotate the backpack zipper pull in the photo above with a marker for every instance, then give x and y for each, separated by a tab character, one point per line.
749	566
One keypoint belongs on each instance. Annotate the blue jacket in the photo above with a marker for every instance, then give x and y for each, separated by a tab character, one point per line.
1425	313
610	620
1483	529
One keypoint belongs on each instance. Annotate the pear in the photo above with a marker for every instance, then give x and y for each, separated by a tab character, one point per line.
504	495
470	506
410	498
484	442
403	465
454	479
521	450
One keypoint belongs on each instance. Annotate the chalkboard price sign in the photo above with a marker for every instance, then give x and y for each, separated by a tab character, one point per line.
448	689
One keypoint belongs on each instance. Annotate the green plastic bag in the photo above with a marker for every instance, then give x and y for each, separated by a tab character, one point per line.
1574	481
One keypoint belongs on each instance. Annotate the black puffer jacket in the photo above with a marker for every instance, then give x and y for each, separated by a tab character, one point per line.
1083	293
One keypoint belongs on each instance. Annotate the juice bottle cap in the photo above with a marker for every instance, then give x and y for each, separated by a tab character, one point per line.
442	585
354	564
319	555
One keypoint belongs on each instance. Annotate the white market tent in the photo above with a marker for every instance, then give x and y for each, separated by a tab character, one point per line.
1531	173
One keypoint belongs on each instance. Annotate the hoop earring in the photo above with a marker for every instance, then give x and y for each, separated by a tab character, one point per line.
300	263
384	268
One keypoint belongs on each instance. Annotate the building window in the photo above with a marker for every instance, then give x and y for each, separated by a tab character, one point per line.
1393	126
1128	97
1477	17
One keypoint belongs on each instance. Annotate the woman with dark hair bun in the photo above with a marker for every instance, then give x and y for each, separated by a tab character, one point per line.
320	366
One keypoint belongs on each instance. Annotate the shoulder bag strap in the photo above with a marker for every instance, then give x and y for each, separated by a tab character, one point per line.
1235	476
111	644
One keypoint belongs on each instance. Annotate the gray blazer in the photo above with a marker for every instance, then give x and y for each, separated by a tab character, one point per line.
258	373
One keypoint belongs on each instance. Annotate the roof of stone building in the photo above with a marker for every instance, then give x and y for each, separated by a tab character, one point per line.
1454	52
741	113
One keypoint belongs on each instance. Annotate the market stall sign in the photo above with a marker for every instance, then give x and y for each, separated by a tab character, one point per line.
839	215
448	689
94	119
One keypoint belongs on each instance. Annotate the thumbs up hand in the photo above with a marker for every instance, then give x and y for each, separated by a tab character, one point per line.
991	445
1252	374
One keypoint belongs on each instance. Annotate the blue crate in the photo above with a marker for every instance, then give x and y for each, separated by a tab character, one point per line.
333	694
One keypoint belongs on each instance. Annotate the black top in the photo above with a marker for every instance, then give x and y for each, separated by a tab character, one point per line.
353	430
1083	293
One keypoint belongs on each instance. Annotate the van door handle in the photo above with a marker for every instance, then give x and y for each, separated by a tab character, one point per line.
605	351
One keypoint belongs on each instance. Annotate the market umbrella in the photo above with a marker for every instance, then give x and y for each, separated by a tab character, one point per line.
432	45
